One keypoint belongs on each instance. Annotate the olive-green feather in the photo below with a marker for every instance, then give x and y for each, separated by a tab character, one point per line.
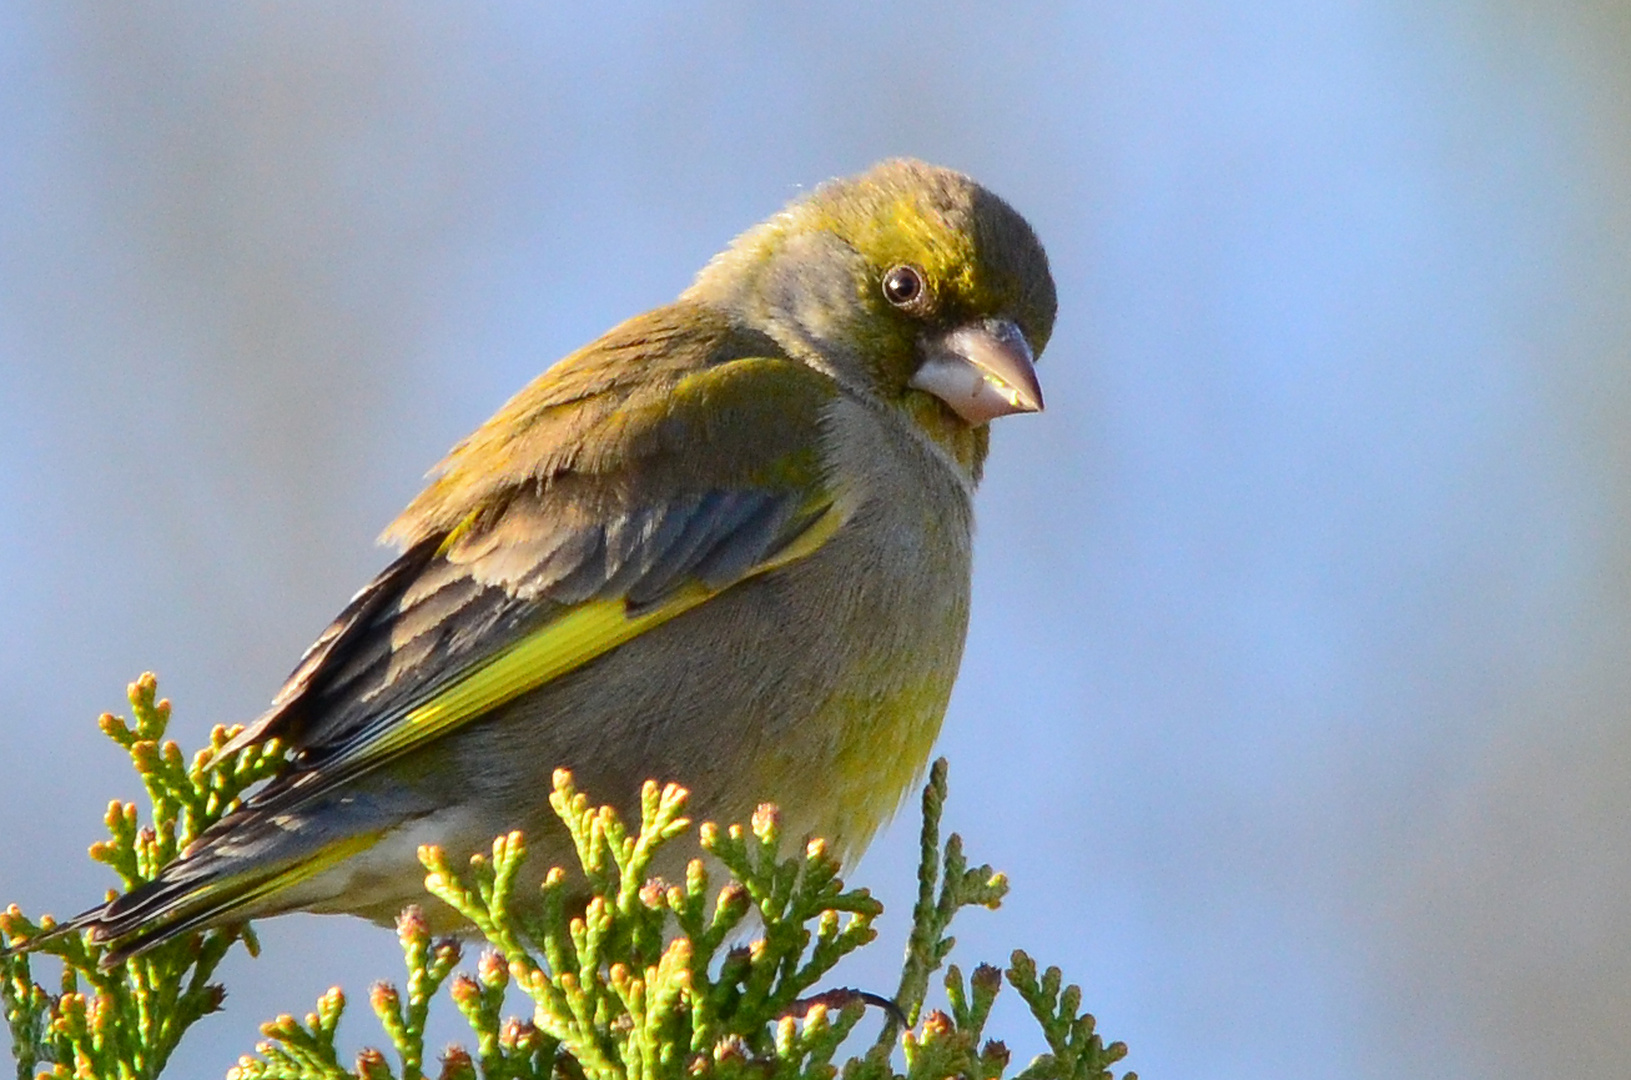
638	395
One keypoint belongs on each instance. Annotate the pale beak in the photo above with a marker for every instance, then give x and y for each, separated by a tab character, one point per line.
982	370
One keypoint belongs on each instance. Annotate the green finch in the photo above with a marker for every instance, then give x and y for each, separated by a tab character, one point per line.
726	544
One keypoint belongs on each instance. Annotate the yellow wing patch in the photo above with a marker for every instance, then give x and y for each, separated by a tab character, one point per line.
581	634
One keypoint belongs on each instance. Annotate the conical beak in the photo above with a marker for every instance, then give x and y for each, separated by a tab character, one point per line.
982	370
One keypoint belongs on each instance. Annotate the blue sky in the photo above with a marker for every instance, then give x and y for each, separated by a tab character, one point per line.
1293	698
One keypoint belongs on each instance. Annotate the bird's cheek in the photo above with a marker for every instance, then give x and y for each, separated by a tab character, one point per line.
810	287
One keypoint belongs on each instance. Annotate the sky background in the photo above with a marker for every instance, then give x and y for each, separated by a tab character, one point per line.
1295	699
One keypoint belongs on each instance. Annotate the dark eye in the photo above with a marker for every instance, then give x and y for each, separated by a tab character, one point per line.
903	286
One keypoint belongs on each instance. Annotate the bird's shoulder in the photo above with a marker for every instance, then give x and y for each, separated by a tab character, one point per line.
679	398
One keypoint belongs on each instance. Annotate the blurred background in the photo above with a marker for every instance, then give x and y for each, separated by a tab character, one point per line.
1295	701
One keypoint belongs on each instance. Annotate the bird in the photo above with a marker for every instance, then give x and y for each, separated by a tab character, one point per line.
727	544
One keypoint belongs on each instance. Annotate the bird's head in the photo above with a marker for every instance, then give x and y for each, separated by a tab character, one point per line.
911	284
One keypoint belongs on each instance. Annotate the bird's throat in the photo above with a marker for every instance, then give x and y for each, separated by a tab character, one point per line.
966	446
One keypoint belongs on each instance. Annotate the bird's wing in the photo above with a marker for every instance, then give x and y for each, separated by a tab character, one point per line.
639	477
630	483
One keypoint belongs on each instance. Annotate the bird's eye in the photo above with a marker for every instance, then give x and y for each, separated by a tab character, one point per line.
903	286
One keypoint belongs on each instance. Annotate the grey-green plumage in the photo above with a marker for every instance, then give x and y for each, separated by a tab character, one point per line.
727	544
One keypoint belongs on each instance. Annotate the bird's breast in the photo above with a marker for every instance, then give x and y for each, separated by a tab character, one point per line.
889	596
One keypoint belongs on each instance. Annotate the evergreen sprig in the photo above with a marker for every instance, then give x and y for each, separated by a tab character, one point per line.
618	974
630	978
1078	1051
124	1022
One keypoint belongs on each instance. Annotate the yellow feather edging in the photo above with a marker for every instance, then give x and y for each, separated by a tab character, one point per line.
569	642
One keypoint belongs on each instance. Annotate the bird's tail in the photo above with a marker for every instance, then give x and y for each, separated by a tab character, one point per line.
199	890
